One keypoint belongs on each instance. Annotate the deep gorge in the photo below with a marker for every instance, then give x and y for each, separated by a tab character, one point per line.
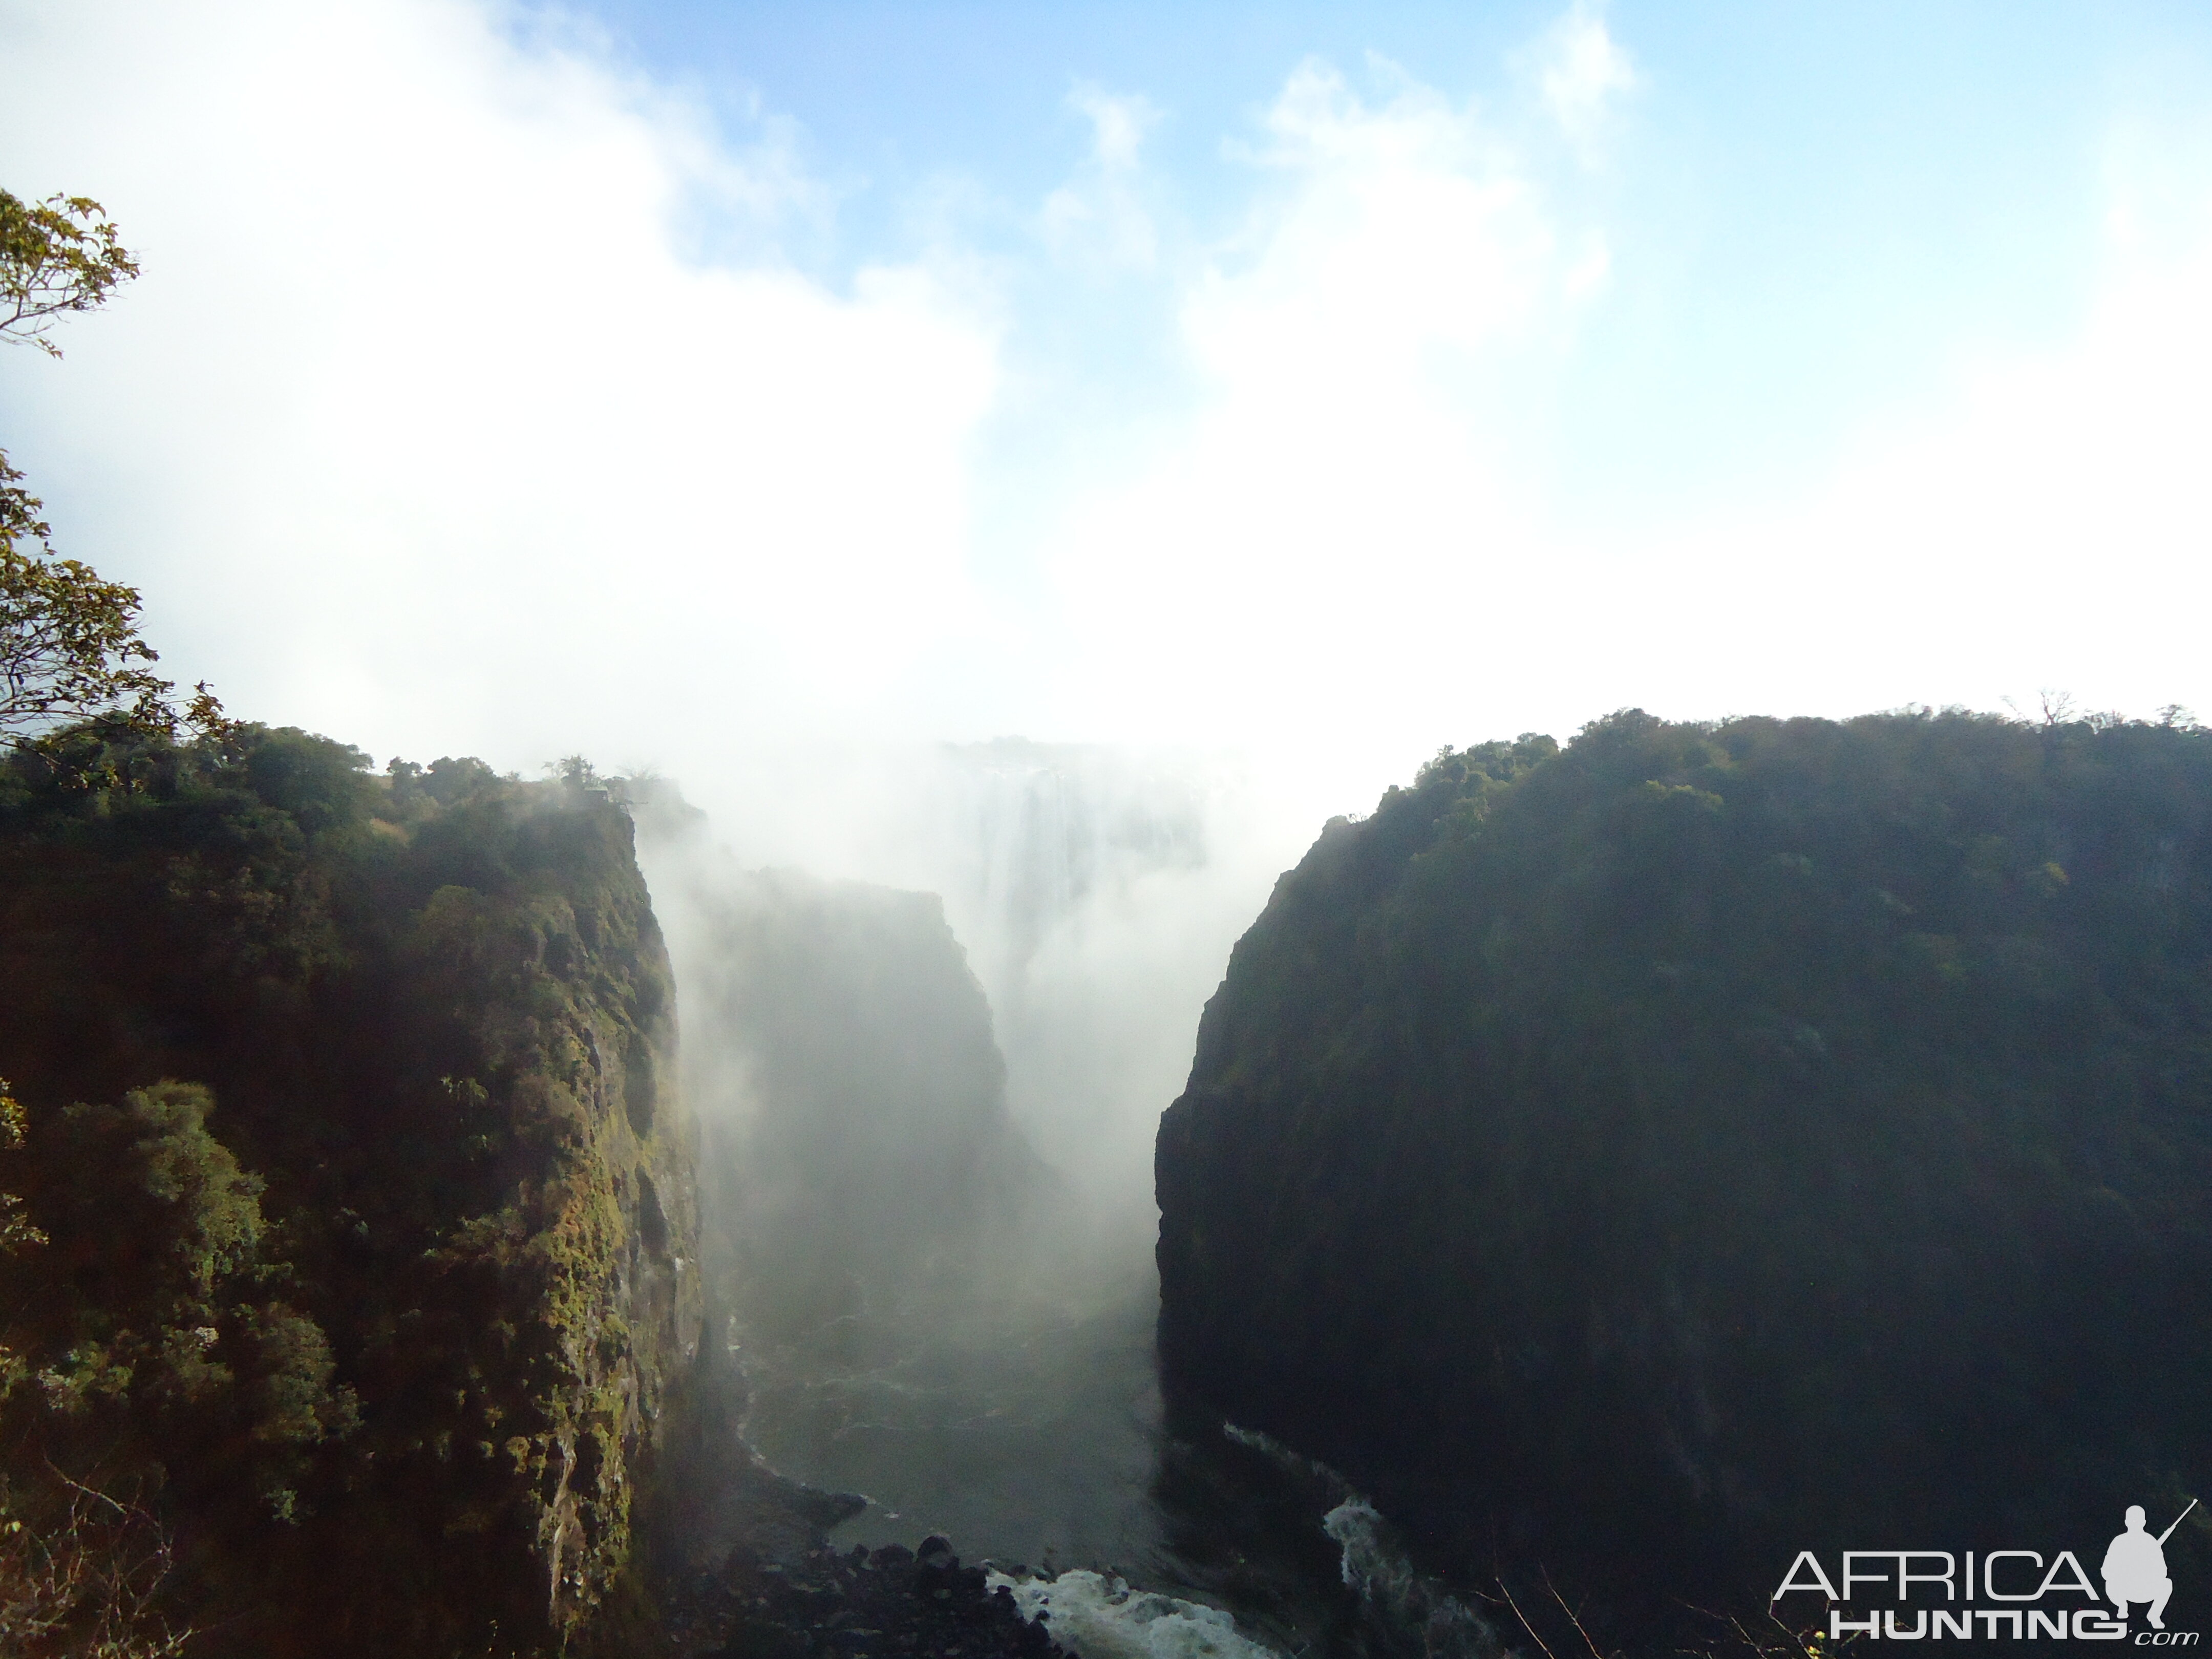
1620	1165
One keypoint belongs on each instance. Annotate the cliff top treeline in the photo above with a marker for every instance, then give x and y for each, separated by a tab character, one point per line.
349	1195
1648	1159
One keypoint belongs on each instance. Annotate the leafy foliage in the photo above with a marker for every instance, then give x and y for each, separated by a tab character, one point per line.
140	1314
82	1576
149	1321
58	256
69	645
16	1232
1631	1158
68	640
390	1352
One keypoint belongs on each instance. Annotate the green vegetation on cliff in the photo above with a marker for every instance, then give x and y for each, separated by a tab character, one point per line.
1655	1156
352	1205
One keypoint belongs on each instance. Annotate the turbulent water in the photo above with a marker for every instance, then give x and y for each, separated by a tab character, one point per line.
1102	1617
1042	1448
1033	1442
940	1262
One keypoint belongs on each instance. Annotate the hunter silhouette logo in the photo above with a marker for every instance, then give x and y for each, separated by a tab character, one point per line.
2135	1566
2002	1594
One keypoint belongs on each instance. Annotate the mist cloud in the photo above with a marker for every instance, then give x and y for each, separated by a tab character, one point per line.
1308	549
422	429
473	399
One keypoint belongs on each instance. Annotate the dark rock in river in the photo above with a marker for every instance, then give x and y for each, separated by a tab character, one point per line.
751	1575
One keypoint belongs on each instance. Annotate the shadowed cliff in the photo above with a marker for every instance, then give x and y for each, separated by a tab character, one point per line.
414	1244
1646	1160
865	1181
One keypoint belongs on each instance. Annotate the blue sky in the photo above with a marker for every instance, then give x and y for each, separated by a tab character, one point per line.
1815	209
1319	382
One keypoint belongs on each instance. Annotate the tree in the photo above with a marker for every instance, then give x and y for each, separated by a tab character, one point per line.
70	646
68	640
82	1578
60	256
149	1365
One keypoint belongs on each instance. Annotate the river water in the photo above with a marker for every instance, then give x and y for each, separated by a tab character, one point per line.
1033	1440
1039	1443
1093	897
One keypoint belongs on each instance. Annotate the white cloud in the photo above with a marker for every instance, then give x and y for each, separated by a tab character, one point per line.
1118	125
1583	73
2048	524
1314	549
1408	229
1099	216
419	429
1347	546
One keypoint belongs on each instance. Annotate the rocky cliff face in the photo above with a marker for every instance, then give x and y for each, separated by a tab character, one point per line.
1644	1161
436	1017
864	1173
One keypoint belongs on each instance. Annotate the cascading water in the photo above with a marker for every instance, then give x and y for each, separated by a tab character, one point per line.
1091	889
925	1311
